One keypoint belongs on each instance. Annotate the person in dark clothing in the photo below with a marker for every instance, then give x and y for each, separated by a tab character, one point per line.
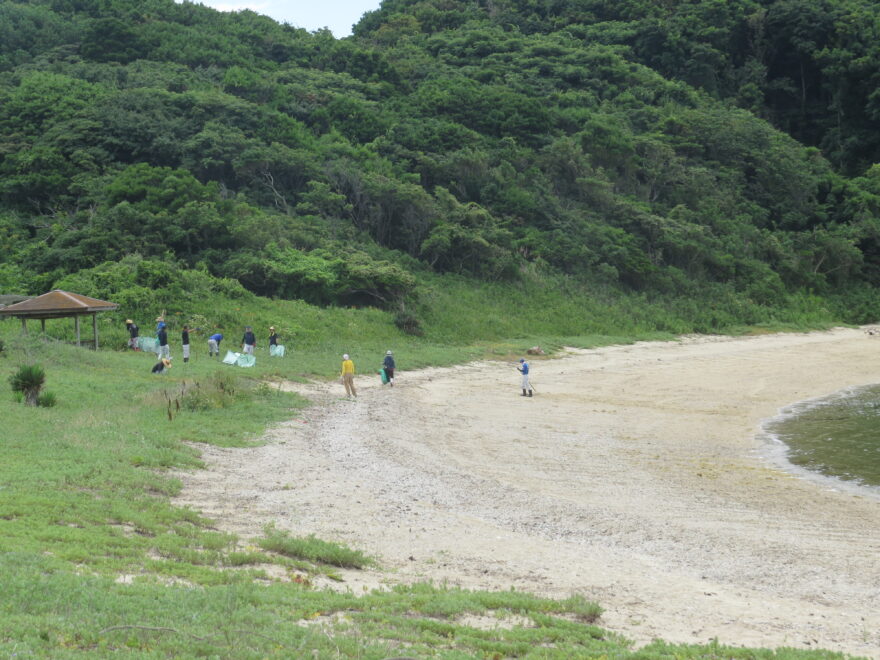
388	365
161	366
273	338
214	344
133	331
164	348
185	339
248	341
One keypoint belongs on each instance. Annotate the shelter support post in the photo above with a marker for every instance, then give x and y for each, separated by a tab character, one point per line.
95	329
23	325
76	325
43	326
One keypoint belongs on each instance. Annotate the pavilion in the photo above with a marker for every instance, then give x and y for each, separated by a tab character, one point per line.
57	305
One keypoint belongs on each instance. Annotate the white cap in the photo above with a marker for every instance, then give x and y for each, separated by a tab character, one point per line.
345	356
387	352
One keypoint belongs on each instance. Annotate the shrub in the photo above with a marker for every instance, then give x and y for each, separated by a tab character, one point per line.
218	392
409	323
29	380
47	399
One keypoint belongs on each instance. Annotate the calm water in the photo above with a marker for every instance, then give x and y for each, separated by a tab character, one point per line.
837	436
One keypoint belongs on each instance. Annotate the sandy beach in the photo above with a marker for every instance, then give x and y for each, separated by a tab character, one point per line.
636	476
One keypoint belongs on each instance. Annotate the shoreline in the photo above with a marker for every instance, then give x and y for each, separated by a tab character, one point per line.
634	478
775	451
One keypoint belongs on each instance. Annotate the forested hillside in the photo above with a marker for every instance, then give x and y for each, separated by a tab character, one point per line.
710	151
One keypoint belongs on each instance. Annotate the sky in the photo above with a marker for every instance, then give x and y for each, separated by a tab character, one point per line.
338	15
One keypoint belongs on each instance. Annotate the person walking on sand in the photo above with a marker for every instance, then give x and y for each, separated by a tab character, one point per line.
133	331
248	341
388	365
184	336
214	344
523	368
164	348
348	376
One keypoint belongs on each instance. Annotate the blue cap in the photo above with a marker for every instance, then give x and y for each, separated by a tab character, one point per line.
522	359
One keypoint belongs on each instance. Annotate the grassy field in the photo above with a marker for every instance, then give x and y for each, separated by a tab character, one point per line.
95	561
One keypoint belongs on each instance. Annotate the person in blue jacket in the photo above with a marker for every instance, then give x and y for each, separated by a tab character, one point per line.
523	368
388	366
214	344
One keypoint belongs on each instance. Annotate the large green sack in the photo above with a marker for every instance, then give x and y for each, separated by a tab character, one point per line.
245	360
148	344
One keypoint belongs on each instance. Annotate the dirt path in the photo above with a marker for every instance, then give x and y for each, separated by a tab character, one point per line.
635	477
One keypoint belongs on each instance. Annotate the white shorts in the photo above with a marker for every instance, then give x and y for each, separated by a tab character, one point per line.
186	351
248	349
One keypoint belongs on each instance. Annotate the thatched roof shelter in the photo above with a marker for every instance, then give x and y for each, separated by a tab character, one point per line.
56	305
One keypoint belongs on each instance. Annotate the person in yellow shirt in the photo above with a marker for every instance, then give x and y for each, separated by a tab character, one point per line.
348	376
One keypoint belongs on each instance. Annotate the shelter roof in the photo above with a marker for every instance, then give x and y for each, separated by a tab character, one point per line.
56	304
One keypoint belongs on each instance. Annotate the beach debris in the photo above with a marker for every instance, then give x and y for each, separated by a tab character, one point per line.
535	350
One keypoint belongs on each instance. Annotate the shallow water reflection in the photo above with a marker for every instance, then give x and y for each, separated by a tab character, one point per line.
838	436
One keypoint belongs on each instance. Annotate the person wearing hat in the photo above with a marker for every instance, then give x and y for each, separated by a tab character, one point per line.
273	338
133	331
162	365
348	376
523	368
388	366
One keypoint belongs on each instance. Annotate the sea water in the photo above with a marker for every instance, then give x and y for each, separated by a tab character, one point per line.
837	436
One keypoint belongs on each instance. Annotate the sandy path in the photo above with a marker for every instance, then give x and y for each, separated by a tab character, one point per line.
633	477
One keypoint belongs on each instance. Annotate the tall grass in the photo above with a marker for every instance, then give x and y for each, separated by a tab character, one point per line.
461	319
313	549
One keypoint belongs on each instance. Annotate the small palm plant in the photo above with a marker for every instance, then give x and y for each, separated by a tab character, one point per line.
29	381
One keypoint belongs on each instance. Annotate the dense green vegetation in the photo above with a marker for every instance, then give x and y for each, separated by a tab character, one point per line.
619	146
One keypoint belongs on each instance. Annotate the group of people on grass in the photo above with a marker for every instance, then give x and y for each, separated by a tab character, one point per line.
163	349
249	343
